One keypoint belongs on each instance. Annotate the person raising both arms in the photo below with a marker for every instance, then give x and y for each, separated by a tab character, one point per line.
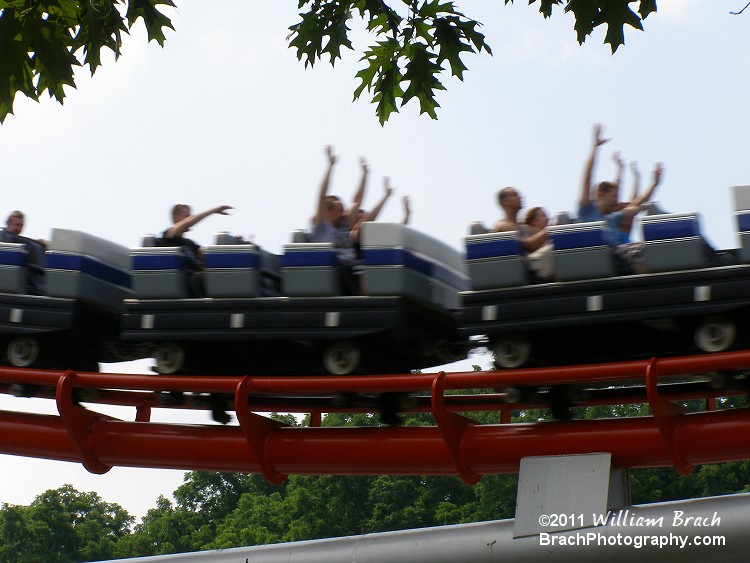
333	224
600	203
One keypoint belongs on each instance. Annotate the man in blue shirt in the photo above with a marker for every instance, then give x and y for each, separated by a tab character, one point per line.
605	206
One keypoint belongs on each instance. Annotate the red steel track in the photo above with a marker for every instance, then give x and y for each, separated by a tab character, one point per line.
456	444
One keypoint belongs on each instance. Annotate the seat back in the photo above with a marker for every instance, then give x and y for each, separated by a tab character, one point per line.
88	268
672	242
159	272
13	267
742	215
581	251
495	260
563	218
300	236
232	270
478	228
398	260
308	269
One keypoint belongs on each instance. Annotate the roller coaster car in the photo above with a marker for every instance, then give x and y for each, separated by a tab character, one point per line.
69	324
268	314
692	300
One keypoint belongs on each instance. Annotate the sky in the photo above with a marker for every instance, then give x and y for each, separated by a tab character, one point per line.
226	114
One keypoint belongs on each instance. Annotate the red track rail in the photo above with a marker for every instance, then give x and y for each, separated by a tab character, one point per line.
455	445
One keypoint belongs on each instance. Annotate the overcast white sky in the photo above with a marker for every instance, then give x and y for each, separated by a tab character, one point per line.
225	114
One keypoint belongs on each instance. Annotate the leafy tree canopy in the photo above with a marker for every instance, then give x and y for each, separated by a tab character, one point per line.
62	525
414	42
42	41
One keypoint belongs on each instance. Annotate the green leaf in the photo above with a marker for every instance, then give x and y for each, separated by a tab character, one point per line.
380	56
422	30
448	39
434	8
101	25
546	6
617	13
646	7
381	17
307	38
337	32
380	23
16	71
324	23
585	12
421	75
382	77
51	58
614	13
155	20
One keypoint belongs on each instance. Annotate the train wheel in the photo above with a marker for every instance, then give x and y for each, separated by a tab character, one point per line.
341	358
715	334
22	351
169	357
511	351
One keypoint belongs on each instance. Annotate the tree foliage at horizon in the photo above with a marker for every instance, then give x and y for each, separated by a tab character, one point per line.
414	42
62	525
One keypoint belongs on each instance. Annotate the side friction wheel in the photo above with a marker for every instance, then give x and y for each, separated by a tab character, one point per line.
169	357
511	351
22	351
715	334
341	358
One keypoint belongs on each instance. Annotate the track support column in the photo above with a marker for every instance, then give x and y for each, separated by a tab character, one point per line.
452	427
666	414
256	429
78	422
